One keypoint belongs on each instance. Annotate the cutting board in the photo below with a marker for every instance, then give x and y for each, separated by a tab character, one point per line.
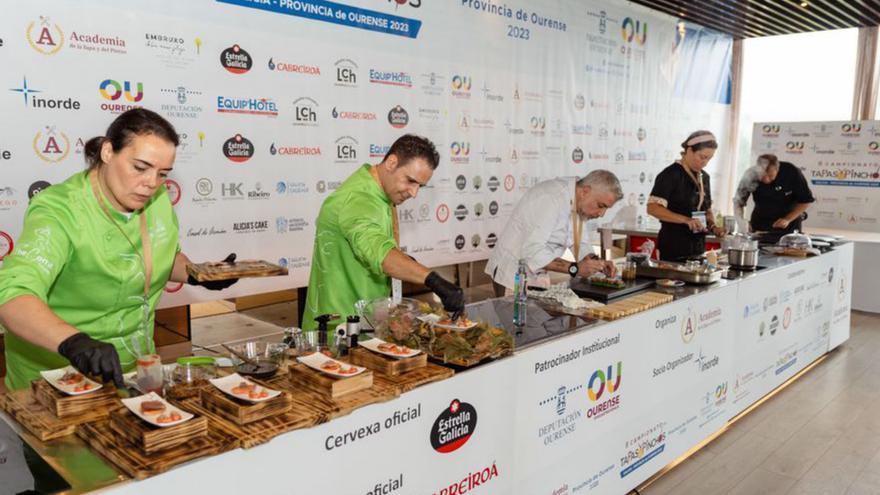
327	407
23	407
332	387
407	381
583	288
631	305
220	270
101	438
153	439
242	412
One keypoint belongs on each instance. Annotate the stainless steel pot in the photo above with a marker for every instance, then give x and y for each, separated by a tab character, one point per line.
742	258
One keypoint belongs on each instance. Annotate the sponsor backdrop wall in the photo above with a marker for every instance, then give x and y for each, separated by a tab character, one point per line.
278	102
841	161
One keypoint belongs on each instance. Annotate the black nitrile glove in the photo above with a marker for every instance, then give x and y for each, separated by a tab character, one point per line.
450	294
215	284
93	357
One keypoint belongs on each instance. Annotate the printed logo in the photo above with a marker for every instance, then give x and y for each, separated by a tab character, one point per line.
238	149
6	245
459	242
309	70
346	73
493	183
398	117
853	129
461	86
182	110
173	191
51	145
509	183
634	29
236	60
401	79
461	212
577	156
461	182
475	241
346	150
454	427
251	227
641	449
491	240
294	150
604	382
351	115
794	147
442	213
36	188
36	101
459	152
247	106
579	102
305	111
113	91
45	36
493	208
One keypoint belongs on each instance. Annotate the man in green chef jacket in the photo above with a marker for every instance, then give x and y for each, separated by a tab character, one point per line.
356	251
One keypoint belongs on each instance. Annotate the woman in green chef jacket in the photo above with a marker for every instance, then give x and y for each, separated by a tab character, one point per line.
93	258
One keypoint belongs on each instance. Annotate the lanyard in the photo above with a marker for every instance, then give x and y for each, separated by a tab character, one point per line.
395	226
147	255
698	183
577	226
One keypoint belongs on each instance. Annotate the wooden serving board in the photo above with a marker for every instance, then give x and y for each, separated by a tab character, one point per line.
104	440
407	381
323	383
384	364
23	407
63	405
152	439
326	407
258	432
241	412
631	305
220	270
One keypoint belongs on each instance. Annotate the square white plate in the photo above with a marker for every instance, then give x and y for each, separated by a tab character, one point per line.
52	376
134	405
374	343
317	360
227	383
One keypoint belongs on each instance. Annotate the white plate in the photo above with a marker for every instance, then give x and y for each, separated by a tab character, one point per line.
52	376
134	405
434	320
373	345
227	383
669	283
317	359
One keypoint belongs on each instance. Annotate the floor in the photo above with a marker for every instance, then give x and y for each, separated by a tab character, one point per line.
820	435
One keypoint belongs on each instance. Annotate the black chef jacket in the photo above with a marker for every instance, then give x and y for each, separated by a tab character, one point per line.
682	195
775	200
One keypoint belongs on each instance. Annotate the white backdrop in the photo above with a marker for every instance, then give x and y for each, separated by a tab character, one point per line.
277	106
841	161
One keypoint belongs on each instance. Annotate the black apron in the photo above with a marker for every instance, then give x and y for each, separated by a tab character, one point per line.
675	241
772	202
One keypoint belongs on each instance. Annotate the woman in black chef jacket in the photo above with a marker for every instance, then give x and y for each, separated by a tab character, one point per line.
781	195
682	201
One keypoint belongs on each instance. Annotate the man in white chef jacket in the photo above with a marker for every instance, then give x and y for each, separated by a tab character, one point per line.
548	220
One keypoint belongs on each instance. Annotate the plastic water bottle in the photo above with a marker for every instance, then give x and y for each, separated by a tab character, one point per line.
520	294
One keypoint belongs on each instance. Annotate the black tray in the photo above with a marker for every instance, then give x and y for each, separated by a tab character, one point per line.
584	288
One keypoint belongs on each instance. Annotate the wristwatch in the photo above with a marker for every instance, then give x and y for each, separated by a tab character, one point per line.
573	270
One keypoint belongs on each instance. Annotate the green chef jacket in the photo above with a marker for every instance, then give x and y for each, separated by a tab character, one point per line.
353	235
73	258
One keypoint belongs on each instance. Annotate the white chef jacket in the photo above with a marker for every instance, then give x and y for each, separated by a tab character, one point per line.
538	231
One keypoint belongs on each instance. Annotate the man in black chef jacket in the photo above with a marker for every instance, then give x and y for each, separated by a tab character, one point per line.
780	192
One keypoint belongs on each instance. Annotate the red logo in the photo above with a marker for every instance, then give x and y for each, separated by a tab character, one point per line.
442	213
509	183
786	318
454	427
173	191
236	60
6	245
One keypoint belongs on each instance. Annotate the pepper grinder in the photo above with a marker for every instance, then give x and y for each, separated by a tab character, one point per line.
353	330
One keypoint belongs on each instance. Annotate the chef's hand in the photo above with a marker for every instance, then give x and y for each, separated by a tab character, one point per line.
781	224
215	284
589	266
719	231
695	225
450	294
92	357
